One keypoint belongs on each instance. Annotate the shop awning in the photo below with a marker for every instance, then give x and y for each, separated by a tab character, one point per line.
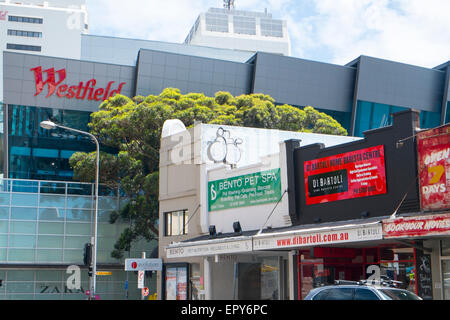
437	224
237	244
281	238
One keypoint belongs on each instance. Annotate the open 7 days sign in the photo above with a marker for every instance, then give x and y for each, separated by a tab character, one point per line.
246	190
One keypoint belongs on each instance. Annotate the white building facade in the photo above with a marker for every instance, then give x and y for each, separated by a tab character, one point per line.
48	28
204	202
240	30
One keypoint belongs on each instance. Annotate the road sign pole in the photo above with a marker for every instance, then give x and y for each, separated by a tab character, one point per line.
142	292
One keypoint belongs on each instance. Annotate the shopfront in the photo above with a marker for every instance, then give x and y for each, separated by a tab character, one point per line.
445	268
323	265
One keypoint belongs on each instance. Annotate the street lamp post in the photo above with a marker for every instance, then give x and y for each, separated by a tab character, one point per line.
50	126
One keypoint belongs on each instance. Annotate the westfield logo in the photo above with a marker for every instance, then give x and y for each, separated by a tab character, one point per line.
81	91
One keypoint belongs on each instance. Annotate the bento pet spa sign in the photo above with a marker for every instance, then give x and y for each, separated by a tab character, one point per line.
245	190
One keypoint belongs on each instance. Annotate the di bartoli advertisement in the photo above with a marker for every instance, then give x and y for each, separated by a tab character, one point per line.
433	148
354	174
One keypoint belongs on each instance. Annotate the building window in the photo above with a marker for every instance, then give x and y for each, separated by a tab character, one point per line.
22	33
176	222
216	22
13	46
244	25
25	19
271	28
371	115
447	113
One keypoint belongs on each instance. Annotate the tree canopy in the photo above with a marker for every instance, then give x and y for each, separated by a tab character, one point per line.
132	126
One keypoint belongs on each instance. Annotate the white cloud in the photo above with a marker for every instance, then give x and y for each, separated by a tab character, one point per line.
335	31
410	31
168	20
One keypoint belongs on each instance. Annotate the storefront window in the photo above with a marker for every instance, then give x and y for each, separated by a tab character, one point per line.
270	277
445	253
176	282
322	266
446	278
445	248
196	281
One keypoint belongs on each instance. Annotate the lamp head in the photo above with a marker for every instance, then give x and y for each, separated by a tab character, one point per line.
49	125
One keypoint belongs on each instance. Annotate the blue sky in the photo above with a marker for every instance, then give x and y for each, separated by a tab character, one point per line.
334	31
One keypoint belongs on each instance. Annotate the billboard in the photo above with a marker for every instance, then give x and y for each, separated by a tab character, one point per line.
247	190
433	148
354	174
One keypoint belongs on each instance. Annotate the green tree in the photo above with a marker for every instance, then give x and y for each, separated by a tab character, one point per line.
133	128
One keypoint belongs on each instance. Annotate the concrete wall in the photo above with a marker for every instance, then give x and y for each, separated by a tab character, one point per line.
399	84
301	82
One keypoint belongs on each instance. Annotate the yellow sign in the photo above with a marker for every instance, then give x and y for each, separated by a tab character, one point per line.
103	273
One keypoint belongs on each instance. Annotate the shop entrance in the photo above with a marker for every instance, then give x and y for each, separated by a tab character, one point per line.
321	266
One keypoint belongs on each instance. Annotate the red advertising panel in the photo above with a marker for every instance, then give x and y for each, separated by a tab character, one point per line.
417	226
348	175
433	147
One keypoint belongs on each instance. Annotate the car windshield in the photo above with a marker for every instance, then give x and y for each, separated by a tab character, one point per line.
399	294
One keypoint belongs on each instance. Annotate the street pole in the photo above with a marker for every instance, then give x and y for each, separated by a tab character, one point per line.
51	125
142	290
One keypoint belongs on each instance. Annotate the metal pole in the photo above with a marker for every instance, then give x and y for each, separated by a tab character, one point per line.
94	244
142	290
94	261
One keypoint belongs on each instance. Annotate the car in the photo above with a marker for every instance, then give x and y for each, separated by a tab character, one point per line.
353	290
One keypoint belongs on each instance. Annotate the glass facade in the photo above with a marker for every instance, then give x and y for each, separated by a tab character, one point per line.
344	118
36	153
318	268
47	223
271	28
447	113
244	25
51	284
216	22
371	115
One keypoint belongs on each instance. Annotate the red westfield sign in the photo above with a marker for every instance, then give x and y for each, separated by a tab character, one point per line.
348	175
81	91
417	226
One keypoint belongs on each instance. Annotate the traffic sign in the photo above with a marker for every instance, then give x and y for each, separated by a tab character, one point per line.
103	273
143	264
144	292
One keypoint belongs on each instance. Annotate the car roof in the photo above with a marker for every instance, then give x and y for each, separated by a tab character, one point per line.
371	286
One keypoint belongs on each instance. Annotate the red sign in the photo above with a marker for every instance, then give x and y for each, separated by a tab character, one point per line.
80	91
417	226
329	252
433	147
3	15
348	175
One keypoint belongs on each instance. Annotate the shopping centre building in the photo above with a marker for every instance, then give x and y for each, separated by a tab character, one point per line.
47	218
305	212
